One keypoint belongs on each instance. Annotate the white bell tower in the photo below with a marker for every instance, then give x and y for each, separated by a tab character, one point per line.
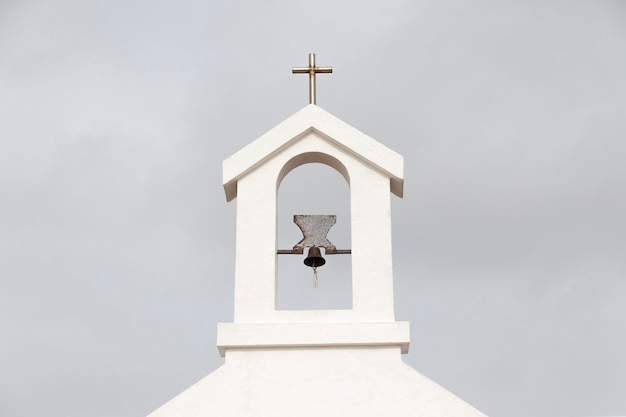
253	175
285	363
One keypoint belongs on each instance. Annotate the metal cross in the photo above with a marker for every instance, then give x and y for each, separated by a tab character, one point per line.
312	70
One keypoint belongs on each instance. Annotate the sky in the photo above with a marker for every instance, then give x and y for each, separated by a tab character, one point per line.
117	243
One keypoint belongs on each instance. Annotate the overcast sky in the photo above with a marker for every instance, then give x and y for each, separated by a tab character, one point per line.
117	244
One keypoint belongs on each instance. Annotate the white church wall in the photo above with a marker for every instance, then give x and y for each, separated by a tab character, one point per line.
255	281
342	382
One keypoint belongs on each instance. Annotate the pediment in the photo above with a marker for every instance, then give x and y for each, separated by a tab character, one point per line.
312	118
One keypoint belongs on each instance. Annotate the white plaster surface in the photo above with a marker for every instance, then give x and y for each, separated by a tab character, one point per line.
328	382
255	270
232	335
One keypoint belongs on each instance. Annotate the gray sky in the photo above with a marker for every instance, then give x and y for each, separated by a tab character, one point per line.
117	244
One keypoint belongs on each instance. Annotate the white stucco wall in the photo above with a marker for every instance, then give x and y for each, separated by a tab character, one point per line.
256	263
342	382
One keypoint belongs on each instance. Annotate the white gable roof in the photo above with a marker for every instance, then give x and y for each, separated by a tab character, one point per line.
293	128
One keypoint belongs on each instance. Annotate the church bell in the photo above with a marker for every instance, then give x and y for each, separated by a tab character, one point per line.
314	259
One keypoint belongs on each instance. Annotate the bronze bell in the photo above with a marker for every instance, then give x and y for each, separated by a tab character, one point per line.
315	258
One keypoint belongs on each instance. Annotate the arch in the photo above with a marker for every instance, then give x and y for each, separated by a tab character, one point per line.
312	157
294	290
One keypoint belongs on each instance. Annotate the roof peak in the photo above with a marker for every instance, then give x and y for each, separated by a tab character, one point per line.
312	117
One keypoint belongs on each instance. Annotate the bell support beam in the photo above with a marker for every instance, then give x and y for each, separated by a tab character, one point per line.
294	252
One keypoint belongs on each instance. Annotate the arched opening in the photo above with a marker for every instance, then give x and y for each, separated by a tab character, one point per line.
306	187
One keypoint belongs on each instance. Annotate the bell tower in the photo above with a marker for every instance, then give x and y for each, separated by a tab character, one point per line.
311	363
253	175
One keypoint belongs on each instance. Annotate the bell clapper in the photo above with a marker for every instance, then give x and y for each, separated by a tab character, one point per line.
314	260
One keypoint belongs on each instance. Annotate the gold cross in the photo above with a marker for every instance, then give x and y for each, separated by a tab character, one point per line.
312	70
